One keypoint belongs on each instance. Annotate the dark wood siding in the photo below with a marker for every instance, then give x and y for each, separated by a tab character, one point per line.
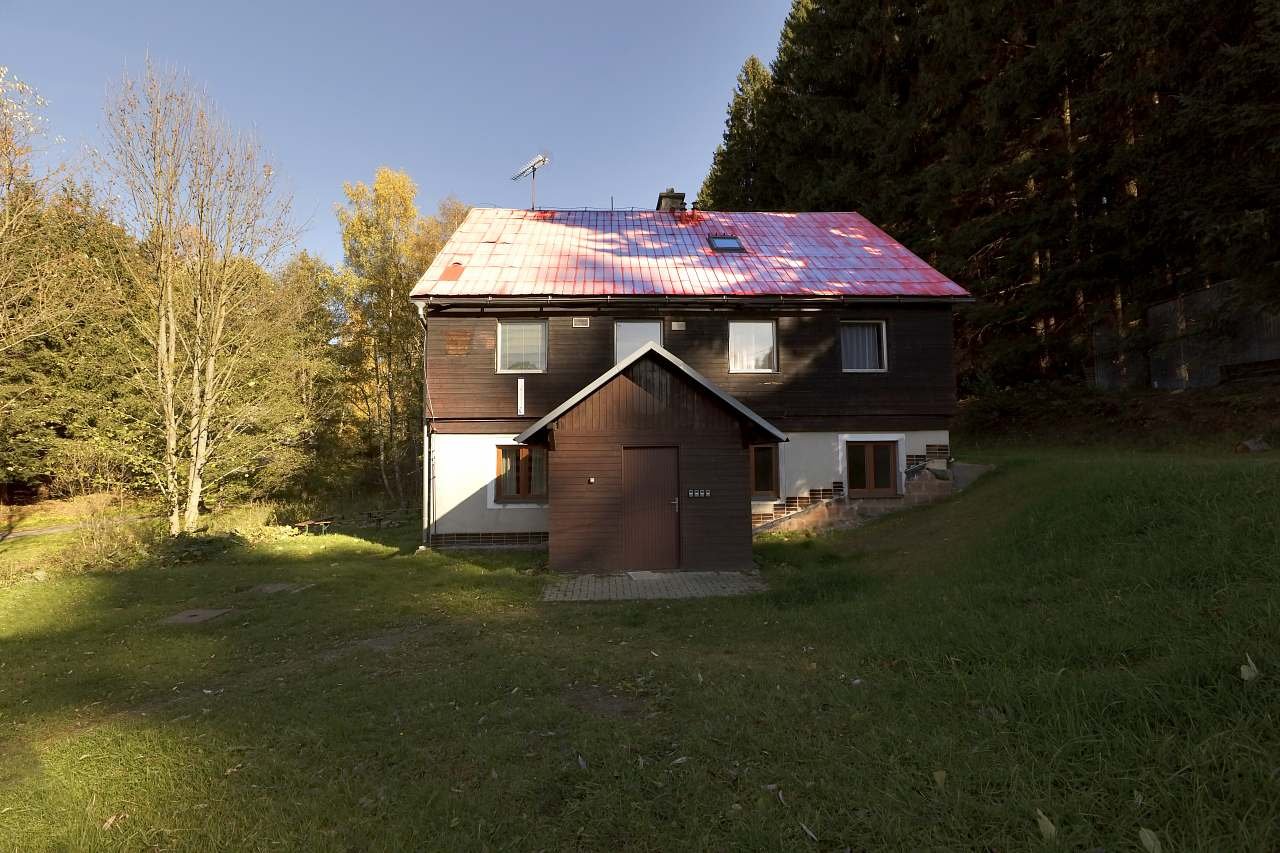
648	406
809	391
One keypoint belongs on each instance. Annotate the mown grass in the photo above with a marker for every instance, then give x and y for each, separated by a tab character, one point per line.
1067	636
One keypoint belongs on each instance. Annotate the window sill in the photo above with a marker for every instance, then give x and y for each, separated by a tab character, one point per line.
504	372
752	372
864	370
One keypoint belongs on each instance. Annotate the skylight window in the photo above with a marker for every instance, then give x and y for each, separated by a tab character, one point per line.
725	243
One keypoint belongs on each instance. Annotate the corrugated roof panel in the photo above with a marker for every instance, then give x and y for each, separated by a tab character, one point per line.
649	252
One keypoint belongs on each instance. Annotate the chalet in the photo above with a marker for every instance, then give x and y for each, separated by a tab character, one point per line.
633	388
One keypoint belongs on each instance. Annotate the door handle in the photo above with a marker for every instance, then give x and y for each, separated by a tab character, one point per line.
676	503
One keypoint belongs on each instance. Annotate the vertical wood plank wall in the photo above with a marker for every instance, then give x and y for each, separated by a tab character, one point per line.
648	406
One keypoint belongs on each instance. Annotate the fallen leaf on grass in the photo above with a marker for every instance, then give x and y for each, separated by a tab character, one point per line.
808	832
681	760
1248	669
115	819
582	762
231	770
1150	841
1047	830
940	779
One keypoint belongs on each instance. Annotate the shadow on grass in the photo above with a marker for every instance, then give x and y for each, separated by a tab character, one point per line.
1065	634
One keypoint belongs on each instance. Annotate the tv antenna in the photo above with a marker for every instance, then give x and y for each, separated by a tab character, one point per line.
531	169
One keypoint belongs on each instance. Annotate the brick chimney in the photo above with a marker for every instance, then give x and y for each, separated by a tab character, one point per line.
669	199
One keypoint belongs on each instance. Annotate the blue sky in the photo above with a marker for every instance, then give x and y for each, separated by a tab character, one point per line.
628	98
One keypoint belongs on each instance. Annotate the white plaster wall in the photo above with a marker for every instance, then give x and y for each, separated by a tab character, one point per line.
813	460
465	469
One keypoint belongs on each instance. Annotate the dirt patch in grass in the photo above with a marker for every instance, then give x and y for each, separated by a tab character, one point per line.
593	699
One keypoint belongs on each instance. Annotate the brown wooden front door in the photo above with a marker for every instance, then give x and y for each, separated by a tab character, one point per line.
873	468
650	508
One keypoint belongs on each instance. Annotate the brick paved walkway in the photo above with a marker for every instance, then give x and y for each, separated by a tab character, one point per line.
634	585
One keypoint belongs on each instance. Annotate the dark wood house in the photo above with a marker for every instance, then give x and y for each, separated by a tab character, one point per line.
648	468
634	387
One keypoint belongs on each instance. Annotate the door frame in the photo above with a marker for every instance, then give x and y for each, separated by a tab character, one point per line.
679	503
842	463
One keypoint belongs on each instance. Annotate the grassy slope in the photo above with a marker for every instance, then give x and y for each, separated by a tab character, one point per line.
1076	415
1065	637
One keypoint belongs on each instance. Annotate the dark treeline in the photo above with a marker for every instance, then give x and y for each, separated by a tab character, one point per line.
1067	162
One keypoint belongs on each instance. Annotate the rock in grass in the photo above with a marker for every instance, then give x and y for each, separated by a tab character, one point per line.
1253	445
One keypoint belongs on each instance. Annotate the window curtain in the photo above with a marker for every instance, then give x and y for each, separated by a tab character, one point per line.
509	477
522	347
538	480
751	348
861	346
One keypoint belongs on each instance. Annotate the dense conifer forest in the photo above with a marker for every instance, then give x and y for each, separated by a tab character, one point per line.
1067	162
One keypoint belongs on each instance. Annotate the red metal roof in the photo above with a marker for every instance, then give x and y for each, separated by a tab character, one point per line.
587	253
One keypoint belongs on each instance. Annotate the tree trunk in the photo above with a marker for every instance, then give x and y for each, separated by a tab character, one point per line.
166	364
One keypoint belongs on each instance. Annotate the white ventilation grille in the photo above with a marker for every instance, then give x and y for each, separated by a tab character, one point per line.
581	322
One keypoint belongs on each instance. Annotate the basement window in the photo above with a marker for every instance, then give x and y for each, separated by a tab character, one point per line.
764	471
522	475
725	243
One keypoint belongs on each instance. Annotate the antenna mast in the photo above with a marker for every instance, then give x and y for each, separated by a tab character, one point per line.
531	169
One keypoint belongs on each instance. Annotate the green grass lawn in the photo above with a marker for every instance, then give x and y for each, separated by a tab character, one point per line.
1065	637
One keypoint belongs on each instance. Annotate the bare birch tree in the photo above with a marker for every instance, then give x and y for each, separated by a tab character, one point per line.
202	200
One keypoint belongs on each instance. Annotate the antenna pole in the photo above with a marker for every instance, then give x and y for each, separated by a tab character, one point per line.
533	189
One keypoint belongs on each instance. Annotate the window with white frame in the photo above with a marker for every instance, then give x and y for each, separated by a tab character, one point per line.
862	347
752	347
522	474
630	335
522	346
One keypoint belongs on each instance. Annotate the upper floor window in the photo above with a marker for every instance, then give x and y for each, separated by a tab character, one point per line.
862	347
630	335
522	346
752	347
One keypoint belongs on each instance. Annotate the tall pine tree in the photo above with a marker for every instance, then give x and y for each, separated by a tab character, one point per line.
736	179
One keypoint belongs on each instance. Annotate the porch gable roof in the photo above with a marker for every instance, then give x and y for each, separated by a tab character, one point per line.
657	351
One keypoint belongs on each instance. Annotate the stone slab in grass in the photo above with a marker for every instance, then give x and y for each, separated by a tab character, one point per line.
191	617
273	588
630	586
